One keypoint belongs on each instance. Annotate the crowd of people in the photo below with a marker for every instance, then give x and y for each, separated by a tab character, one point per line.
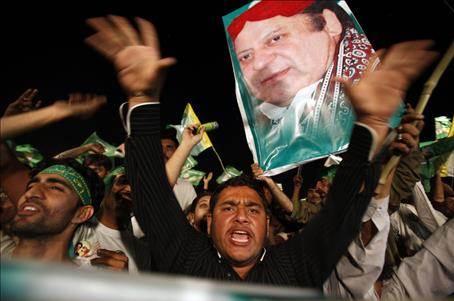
349	236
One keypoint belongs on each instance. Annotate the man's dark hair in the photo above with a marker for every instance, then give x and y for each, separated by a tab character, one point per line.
94	182
316	10
243	180
196	201
169	133
98	160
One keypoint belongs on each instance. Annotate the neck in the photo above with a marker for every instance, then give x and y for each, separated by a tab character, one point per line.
108	219
46	248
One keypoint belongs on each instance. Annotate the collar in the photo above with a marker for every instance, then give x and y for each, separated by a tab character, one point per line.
302	98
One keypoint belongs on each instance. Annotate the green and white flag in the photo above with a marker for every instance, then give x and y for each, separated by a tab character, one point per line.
229	172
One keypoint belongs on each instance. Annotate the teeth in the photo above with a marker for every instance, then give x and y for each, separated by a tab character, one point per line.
30	208
240	236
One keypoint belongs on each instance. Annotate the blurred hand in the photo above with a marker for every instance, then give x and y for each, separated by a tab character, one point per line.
95	148
407	138
379	92
24	103
121	148
134	53
189	138
207	178
81	105
114	260
297	181
258	172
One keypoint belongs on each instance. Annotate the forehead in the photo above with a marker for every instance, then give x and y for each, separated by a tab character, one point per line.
258	30
239	193
43	177
204	199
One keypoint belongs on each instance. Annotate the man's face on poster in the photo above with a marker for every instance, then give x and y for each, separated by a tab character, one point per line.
281	55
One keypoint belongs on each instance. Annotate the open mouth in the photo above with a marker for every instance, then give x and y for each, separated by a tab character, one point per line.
27	210
240	237
275	77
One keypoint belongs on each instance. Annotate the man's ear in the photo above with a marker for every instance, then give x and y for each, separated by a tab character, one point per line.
190	218
209	220
333	26
83	214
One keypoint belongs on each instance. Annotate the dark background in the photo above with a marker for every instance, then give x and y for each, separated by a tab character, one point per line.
42	46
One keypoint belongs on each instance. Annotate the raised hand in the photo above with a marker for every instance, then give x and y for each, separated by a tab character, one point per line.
206	179
135	54
297	181
190	138
378	94
95	148
410	127
24	103
81	105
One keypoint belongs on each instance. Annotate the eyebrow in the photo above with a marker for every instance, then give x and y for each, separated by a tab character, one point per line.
264	38
59	181
50	180
248	203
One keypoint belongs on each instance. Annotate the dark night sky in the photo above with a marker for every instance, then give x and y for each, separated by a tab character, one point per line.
43	48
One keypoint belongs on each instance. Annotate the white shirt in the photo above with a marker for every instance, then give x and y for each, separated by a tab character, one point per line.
369	260
94	235
184	192
302	99
427	274
7	245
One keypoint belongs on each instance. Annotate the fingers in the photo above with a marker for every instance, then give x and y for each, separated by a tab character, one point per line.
166	62
148	33
115	260
97	148
117	255
200	131
409	128
406	140
105	46
256	170
410	58
374	61
124	28
107	40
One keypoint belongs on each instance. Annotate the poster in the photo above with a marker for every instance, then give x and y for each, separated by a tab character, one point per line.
285	55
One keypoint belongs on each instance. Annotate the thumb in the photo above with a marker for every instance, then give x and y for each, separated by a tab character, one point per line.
166	62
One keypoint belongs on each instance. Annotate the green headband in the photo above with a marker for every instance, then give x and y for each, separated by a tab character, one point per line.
76	180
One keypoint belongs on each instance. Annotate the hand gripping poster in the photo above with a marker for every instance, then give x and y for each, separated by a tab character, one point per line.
285	57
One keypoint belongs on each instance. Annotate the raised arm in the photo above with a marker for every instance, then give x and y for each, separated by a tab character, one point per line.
140	70
176	162
375	98
75	152
78	105
278	195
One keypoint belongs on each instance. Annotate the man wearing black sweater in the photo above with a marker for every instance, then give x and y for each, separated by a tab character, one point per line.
238	221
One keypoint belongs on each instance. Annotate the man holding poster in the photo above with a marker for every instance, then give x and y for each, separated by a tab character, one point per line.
285	56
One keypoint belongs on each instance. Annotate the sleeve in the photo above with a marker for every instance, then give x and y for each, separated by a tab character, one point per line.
427	274
426	212
315	251
155	206
357	271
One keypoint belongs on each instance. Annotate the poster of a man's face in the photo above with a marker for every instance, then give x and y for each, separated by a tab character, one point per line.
285	55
